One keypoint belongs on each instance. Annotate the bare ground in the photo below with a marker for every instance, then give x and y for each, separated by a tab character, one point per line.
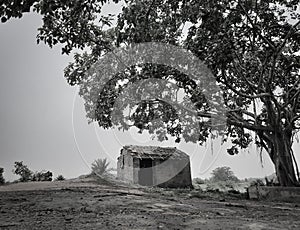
90	204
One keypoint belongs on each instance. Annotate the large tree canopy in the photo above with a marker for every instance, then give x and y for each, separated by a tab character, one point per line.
251	47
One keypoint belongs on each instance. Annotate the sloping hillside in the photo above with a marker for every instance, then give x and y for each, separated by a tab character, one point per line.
90	203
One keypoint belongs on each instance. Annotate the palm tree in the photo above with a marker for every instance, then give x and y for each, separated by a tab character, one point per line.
100	167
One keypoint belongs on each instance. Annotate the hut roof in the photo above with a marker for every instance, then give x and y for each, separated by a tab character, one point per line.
155	152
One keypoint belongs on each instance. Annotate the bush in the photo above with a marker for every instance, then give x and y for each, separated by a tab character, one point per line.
23	171
60	178
257	182
100	167
198	181
2	180
221	186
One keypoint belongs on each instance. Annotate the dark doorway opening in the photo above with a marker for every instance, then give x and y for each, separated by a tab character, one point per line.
146	172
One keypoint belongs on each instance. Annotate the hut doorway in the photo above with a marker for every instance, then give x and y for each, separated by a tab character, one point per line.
146	172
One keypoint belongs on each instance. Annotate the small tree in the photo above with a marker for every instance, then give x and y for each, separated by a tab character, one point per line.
23	171
2	180
100	167
223	174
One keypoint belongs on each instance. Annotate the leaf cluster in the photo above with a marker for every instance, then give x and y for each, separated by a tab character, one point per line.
100	167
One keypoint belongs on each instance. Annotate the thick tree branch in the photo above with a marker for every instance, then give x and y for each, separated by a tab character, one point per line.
229	118
243	94
251	127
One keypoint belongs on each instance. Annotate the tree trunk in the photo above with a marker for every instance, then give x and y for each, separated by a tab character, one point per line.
281	153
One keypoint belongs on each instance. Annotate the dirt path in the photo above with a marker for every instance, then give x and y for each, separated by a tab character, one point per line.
83	204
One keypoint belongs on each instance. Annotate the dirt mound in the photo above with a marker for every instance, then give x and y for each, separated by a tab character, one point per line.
91	203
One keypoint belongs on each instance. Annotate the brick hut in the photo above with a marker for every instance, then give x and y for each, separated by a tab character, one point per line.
152	165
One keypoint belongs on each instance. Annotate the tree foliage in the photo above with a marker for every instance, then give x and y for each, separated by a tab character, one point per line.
42	176
27	175
100	167
2	180
60	178
252	48
23	171
74	24
223	174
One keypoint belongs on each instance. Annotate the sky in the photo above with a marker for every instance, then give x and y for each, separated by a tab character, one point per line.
43	123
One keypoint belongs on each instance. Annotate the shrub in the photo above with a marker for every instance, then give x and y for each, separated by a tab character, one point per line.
220	186
258	182
2	180
100	167
60	178
23	171
198	181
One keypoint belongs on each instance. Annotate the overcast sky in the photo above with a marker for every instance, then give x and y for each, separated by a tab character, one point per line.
43	122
